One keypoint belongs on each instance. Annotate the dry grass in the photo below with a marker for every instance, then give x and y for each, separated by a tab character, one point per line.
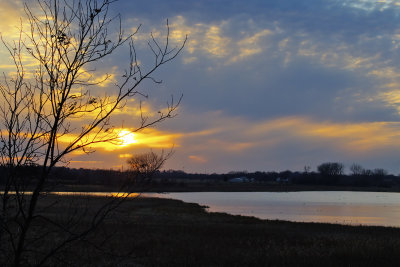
161	232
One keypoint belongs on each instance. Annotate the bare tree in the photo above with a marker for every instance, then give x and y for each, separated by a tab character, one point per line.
331	169
142	167
380	172
356	169
41	102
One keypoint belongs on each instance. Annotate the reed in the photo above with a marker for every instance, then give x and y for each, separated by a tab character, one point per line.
164	232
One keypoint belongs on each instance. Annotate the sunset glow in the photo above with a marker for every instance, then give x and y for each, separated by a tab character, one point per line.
266	85
200	132
127	138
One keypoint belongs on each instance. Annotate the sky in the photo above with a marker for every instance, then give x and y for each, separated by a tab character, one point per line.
267	85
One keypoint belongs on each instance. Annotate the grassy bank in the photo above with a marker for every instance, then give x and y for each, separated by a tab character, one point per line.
162	232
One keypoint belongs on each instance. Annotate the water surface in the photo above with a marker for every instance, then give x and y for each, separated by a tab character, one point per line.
356	208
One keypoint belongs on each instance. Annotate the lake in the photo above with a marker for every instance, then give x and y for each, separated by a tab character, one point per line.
344	207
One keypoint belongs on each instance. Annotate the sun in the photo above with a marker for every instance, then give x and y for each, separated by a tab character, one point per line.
126	138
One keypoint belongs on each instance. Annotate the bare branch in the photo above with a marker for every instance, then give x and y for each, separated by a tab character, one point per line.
40	105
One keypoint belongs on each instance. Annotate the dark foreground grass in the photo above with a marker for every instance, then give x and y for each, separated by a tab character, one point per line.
162	232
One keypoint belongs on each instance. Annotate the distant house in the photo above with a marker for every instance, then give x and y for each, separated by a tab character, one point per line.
242	179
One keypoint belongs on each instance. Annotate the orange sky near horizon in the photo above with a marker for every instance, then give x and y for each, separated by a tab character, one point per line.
265	87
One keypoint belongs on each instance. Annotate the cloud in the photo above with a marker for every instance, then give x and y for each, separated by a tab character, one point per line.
266	84
250	46
124	156
372	5
234	143
11	12
392	98
198	159
203	37
120	139
84	162
215	41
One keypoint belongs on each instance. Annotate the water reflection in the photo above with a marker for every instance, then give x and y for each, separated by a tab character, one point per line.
355	208
365	208
89	194
97	194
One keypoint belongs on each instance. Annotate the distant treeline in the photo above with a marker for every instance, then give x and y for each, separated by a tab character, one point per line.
327	174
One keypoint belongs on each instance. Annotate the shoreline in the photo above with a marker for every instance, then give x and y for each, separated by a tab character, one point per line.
267	212
147	231
191	188
164	227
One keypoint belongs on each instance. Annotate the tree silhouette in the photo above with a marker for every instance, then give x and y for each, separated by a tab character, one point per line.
41	103
356	169
331	169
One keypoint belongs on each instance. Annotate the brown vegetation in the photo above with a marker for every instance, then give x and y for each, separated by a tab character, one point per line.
162	232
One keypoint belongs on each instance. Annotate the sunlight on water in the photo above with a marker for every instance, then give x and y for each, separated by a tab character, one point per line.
98	194
90	194
124	195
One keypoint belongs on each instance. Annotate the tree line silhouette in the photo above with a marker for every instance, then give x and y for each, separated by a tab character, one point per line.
330	173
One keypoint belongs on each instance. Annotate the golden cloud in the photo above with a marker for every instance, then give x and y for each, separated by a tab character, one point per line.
124	156
392	98
350	137
198	159
251	45
216	44
124	138
188	60
86	161
11	13
241	136
211	39
340	56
